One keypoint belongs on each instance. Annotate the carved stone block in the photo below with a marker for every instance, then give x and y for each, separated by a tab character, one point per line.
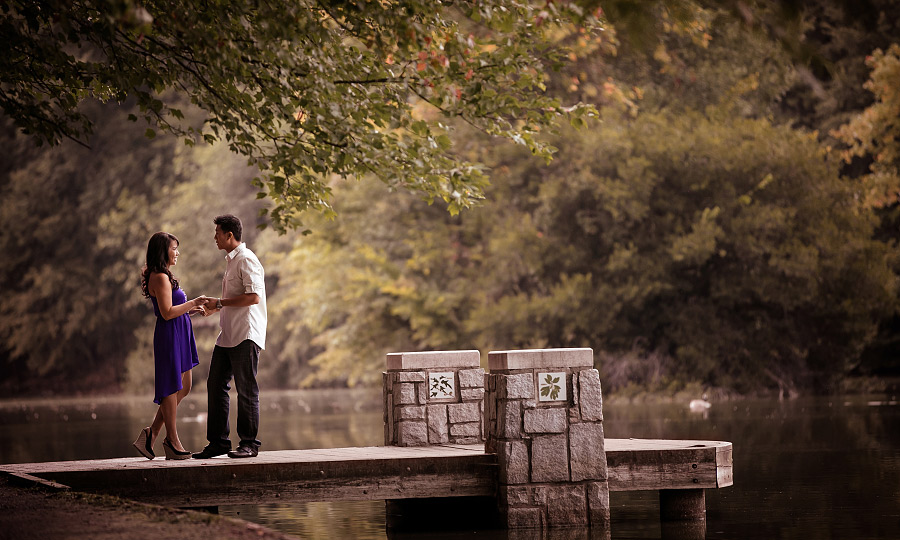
405	394
416	412
590	397
586	448
509	419
545	420
519	386
471	378
469	429
549	458
598	504
438	432
523	518
464	412
472	394
512	458
412	434
567	506
411	376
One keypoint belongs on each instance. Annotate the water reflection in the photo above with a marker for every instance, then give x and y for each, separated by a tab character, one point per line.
97	428
352	519
808	468
526	534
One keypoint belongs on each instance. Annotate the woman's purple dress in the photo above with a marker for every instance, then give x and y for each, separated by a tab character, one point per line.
174	350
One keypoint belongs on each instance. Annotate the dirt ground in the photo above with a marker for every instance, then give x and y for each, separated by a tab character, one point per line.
28	513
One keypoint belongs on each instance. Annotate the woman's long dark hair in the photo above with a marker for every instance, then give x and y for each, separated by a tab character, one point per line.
158	260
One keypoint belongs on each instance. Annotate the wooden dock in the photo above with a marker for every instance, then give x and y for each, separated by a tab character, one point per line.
521	447
368	473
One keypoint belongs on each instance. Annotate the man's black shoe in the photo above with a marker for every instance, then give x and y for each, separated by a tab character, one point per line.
243	452
211	452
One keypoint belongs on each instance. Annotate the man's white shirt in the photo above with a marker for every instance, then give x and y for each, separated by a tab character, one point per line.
243	274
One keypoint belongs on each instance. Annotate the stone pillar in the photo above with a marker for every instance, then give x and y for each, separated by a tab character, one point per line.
433	398
544	415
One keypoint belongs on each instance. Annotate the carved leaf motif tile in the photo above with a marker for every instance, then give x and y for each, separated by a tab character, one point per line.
552	386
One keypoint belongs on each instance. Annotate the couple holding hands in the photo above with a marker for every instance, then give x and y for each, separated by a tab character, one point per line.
242	319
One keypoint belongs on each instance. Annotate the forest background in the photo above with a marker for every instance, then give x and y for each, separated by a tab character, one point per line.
728	224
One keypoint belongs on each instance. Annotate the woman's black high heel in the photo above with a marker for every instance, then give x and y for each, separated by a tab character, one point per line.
171	453
144	443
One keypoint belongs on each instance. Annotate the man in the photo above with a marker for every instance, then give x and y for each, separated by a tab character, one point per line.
236	354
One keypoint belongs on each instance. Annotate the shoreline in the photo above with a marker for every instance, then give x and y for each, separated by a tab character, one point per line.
35	512
856	386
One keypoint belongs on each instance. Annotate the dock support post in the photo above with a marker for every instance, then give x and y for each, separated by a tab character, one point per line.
544	420
682	514
433	398
682	504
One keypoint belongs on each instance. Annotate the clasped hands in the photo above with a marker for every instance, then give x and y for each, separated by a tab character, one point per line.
204	305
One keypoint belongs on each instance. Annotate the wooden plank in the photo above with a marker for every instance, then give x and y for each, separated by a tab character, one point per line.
639	465
461	484
295	475
724	466
354	454
370	473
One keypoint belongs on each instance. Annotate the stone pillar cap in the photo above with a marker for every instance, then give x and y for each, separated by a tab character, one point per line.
540	358
433	360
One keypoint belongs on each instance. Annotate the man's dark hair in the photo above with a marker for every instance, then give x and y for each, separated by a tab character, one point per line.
230	224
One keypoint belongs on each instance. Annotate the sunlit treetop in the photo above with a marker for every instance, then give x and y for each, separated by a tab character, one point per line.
307	90
875	132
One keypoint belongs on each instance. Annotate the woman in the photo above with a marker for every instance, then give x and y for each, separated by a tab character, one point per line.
174	350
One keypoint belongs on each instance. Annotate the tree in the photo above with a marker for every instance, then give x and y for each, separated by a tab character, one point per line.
828	40
358	285
729	246
875	132
75	225
70	297
873	138
303	89
717	246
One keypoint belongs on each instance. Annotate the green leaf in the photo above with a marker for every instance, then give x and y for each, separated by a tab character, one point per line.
444	142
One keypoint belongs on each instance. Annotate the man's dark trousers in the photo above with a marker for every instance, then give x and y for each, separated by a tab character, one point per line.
241	363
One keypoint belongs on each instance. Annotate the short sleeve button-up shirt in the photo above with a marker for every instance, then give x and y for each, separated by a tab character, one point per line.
243	274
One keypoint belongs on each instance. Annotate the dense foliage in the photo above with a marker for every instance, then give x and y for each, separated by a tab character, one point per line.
728	245
75	227
303	89
876	132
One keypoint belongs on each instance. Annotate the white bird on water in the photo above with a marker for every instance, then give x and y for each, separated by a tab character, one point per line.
200	418
699	405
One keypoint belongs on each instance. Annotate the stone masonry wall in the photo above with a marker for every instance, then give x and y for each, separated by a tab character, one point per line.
545	423
433	398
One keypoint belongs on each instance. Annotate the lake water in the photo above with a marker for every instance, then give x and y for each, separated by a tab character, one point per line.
807	469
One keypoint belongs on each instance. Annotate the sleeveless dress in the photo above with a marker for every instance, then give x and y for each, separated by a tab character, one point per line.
174	349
